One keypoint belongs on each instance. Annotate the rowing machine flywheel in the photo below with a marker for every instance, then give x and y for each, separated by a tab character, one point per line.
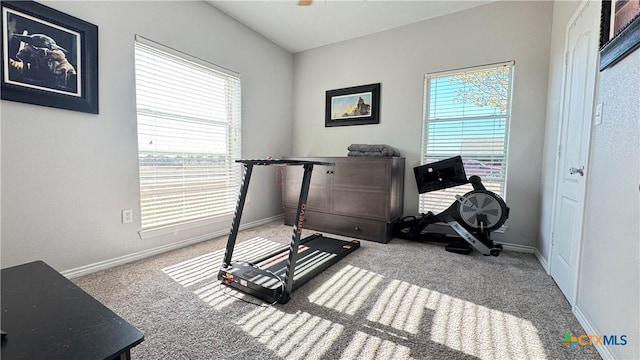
482	204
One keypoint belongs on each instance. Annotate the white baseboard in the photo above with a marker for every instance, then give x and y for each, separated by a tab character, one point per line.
589	329
518	248
542	261
121	260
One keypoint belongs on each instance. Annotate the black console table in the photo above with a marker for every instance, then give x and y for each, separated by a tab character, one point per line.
46	316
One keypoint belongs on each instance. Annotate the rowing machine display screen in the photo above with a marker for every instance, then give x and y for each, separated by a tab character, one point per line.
440	175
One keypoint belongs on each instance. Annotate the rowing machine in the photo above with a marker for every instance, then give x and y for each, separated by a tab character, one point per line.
473	216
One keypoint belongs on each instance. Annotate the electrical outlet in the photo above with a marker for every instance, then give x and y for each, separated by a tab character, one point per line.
127	216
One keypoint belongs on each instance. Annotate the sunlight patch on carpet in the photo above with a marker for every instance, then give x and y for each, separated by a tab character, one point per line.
347	290
458	324
297	335
400	306
479	331
219	296
365	346
206	266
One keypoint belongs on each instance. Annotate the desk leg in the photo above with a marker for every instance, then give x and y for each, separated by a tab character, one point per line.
126	355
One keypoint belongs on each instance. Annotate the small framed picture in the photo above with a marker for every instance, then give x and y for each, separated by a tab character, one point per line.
356	105
49	58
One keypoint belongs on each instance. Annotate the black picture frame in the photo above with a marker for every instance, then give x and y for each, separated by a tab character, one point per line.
357	105
623	39
49	58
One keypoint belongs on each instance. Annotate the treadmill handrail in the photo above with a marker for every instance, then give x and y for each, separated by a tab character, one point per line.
297	231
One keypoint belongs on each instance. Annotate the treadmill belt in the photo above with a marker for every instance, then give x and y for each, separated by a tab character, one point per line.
264	278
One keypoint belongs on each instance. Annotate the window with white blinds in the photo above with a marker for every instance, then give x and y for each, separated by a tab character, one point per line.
188	137
467	113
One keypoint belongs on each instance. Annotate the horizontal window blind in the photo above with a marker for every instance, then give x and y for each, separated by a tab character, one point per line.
188	137
467	113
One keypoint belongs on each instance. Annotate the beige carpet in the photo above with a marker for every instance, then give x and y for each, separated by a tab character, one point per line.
401	300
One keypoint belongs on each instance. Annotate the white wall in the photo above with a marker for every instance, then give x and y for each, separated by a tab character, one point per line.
399	59
609	282
66	175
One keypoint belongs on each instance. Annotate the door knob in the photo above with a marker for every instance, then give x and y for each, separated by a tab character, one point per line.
573	171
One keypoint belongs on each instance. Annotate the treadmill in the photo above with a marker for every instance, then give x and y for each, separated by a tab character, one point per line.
273	277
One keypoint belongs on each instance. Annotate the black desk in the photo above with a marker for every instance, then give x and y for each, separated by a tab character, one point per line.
46	316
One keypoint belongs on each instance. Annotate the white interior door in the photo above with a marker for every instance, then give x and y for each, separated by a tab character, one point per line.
577	111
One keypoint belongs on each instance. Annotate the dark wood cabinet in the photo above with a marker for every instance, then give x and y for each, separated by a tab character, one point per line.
360	197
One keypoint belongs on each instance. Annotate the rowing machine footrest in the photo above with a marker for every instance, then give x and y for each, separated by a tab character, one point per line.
459	247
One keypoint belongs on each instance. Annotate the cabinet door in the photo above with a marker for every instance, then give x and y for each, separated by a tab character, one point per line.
369	204
319	187
367	173
361	187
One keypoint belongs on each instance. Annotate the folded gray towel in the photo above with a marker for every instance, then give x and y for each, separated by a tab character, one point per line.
365	153
383	149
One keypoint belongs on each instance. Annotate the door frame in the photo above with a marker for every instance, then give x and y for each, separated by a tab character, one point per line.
561	121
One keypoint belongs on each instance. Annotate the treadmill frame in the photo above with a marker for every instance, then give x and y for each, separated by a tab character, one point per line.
227	265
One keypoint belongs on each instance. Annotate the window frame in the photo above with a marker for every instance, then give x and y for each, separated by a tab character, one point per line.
489	183
233	147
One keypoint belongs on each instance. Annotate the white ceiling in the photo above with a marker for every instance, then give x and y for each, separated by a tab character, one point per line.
298	28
